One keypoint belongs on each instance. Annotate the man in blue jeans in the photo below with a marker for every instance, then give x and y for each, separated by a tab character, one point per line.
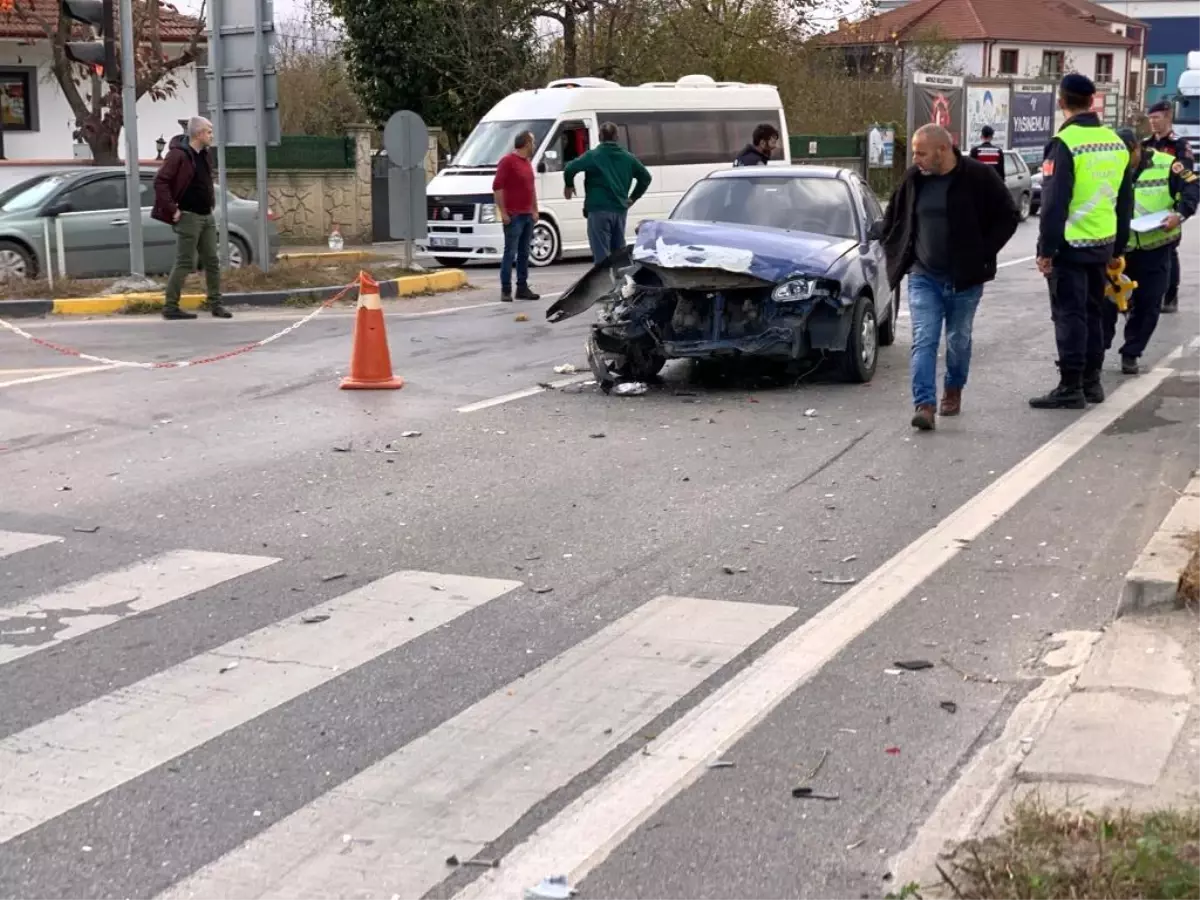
944	226
516	205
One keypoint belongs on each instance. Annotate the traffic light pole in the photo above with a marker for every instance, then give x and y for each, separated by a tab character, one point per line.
137	259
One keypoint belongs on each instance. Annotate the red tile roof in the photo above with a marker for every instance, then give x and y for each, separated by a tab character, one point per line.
175	25
1049	22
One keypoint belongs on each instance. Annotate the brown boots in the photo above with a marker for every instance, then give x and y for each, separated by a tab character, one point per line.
925	416
951	402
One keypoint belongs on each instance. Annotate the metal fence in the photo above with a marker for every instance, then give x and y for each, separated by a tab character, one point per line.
299	151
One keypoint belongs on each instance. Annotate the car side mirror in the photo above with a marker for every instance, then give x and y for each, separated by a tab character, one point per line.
57	209
875	232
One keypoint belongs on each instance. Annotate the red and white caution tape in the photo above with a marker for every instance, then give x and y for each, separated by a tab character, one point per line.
180	363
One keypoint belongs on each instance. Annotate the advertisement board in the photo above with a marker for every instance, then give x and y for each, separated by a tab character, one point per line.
1032	120
988	105
936	99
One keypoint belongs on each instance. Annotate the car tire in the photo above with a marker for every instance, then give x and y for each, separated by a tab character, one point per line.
642	364
240	250
545	248
447	263
861	355
16	262
1025	207
887	330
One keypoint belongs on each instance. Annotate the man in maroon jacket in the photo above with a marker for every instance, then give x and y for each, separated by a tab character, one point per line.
184	198
516	205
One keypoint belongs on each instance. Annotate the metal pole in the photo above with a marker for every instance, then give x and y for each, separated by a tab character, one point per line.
260	140
137	258
217	67
49	265
61	247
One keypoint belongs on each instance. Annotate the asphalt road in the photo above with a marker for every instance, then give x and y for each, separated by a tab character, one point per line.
526	632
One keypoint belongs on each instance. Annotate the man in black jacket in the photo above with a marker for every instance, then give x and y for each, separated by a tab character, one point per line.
763	144
944	226
988	153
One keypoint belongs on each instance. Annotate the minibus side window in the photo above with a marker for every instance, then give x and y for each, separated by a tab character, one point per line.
570	142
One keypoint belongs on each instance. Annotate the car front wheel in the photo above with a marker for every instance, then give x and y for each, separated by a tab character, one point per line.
862	346
544	248
1025	206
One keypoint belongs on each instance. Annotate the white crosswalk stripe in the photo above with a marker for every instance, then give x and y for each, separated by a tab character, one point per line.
61	615
17	541
387	830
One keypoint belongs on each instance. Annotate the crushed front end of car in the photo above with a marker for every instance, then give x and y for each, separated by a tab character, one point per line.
708	292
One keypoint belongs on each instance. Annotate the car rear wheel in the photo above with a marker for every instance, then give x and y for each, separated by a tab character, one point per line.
887	331
1025	206
862	347
16	263
239	253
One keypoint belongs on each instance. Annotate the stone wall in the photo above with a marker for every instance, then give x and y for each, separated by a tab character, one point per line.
309	202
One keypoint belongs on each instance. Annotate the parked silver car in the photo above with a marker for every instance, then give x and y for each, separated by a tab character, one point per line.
1019	182
91	205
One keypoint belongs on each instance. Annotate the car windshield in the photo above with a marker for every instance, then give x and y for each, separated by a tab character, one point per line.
789	202
31	193
1187	111
491	140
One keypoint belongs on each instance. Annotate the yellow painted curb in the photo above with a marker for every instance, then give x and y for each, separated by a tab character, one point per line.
439	282
330	255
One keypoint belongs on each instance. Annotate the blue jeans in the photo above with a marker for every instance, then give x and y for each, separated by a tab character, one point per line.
606	234
518	234
932	302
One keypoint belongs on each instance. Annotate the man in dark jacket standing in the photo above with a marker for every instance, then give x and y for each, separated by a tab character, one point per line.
609	170
944	226
1087	201
1165	140
988	153
763	144
184	199
1161	185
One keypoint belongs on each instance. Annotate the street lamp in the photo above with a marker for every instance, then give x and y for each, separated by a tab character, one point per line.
160	144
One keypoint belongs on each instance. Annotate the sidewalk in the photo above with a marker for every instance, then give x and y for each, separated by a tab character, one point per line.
1114	725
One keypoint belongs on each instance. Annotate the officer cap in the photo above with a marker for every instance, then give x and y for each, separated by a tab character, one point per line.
1129	136
1160	106
1078	84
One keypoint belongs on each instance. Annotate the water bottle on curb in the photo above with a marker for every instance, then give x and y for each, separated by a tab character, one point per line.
335	240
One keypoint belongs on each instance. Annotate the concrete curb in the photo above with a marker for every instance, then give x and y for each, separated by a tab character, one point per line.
329	255
1154	578
406	286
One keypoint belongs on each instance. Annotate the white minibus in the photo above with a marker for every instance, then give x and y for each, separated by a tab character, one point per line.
681	131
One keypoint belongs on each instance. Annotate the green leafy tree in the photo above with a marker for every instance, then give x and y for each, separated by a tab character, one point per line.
446	60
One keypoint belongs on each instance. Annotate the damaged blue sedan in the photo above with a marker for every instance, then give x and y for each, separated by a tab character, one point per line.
764	262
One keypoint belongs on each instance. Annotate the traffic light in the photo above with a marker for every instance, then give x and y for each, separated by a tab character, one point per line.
99	55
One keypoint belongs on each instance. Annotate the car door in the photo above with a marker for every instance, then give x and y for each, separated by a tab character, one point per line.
158	238
570	140
95	227
877	267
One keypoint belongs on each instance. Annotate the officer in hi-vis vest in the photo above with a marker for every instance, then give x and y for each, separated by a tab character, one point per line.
1161	185
1087	201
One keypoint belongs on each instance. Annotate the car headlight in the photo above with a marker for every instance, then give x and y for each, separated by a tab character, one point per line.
794	291
487	213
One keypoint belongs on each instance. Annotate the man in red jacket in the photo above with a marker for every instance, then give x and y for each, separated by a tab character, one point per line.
184	199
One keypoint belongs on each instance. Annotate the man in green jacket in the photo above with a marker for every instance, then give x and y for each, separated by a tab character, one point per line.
608	171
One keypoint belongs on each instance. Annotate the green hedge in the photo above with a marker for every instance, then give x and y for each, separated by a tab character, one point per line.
298	151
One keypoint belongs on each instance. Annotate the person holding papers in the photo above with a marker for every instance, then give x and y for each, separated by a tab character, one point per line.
1165	192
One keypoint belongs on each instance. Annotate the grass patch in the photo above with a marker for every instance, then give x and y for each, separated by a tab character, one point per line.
1188	592
1045	853
284	275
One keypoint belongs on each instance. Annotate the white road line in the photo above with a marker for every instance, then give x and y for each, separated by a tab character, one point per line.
1016	262
587	831
56	374
58	764
465	783
16	541
61	615
521	394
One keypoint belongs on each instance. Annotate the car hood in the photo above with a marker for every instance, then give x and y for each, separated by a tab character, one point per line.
703	255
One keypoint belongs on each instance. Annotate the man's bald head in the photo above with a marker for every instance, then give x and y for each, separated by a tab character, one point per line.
933	150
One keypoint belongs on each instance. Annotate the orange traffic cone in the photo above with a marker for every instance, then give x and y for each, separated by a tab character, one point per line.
370	362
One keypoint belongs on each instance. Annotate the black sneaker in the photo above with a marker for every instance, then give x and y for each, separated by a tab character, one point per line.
220	312
1171	306
506	296
524	293
174	313
1129	365
1062	397
1093	390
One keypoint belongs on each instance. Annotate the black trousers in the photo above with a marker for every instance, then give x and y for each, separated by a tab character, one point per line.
1151	269
1076	306
1173	284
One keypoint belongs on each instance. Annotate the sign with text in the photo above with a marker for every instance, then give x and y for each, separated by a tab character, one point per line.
988	106
1032	117
936	99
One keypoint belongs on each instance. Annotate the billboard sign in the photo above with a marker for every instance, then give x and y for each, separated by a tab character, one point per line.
988	106
1032	117
939	100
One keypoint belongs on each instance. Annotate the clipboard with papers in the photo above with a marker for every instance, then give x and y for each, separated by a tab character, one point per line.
1149	222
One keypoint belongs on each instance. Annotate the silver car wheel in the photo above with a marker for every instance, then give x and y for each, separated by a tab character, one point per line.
867	340
543	248
235	255
12	266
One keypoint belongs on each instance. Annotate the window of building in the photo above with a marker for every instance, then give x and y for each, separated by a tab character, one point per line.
1104	67
18	99
1009	61
1053	62
1156	75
